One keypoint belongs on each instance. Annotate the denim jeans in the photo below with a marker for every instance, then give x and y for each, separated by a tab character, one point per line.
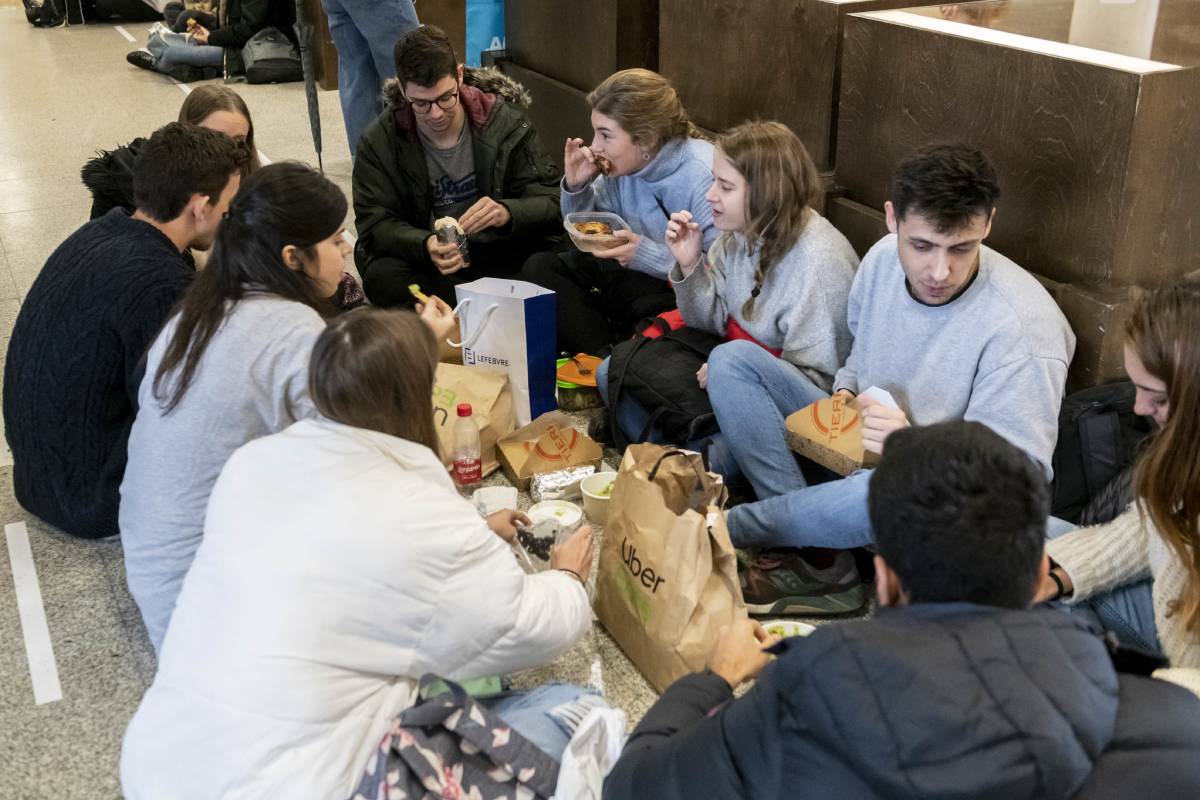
1127	611
365	33
172	50
548	715
632	417
753	393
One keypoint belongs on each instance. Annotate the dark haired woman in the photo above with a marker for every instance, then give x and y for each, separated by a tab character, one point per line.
338	566
1139	575
228	367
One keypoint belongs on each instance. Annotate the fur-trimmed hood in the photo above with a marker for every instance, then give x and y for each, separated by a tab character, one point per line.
486	79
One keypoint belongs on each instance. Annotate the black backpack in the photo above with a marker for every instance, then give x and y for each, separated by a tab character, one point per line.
52	13
660	374
1099	438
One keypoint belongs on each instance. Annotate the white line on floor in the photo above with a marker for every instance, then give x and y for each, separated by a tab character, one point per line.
263	158
183	87
43	670
121	30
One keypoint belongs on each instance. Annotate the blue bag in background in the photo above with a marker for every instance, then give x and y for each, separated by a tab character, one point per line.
485	28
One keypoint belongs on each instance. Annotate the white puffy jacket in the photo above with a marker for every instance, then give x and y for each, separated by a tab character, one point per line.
338	566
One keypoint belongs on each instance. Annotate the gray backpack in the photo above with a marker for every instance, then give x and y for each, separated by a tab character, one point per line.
271	57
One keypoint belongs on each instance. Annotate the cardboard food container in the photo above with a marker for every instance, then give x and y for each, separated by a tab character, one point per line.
547	444
829	432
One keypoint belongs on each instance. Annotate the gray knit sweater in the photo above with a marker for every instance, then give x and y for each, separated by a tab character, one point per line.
251	381
996	354
1126	550
801	309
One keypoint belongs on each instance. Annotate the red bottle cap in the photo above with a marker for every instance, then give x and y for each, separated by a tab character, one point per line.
464	409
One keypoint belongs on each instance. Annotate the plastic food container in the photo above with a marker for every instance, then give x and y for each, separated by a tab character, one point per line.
597	490
783	628
590	243
568	515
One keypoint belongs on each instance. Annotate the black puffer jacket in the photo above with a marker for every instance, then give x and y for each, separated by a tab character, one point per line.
928	701
393	200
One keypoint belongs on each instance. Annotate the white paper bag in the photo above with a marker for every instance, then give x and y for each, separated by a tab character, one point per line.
510	325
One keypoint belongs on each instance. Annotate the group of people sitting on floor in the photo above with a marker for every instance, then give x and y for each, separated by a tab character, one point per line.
185	373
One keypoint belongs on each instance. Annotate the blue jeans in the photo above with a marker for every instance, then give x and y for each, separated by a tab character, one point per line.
753	393
1127	611
365	33
172	50
632	417
548	715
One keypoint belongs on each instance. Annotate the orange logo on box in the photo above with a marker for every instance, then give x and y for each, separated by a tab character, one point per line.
842	418
562	441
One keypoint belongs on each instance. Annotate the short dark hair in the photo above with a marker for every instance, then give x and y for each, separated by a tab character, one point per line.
424	56
179	161
959	514
949	183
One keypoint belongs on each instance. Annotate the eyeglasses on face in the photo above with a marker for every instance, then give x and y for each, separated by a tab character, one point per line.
445	103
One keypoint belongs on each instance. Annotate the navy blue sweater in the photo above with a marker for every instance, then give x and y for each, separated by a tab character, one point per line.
74	364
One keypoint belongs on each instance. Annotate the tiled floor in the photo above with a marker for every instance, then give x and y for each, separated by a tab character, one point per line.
65	93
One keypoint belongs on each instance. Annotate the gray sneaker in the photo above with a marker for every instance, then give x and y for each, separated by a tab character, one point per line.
783	583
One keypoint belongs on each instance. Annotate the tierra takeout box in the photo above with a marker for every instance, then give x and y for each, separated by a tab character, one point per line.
829	432
547	444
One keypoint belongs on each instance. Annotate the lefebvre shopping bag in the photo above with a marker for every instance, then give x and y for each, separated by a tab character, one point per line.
509	325
668	573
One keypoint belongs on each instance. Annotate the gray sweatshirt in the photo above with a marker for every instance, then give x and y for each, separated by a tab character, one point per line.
997	354
801	309
251	381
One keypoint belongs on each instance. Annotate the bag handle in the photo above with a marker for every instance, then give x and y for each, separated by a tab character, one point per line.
668	454
474	337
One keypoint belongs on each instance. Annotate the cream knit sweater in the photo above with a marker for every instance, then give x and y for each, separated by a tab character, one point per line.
1127	550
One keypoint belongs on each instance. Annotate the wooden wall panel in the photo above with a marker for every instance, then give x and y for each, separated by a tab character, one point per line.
580	43
1060	133
558	110
451	17
734	60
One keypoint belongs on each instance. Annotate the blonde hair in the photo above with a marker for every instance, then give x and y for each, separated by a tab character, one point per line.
374	369
207	98
782	185
1161	330
645	105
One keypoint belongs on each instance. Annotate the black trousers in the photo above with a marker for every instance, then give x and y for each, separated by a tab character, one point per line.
598	300
386	278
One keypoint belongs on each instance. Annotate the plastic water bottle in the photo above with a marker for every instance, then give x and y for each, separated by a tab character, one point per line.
468	467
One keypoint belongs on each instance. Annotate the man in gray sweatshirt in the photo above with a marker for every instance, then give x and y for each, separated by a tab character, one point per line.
950	328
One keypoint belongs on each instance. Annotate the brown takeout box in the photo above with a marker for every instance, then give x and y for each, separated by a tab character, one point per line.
829	432
547	444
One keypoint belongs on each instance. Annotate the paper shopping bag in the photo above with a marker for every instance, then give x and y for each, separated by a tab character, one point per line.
668	573
491	406
509	325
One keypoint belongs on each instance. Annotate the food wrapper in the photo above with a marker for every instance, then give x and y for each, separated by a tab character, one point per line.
548	444
562	484
829	432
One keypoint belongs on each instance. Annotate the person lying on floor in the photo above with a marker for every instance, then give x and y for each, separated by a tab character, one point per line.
109	176
338	566
645	157
1138	575
199	54
228	367
951	328
452	142
75	358
955	689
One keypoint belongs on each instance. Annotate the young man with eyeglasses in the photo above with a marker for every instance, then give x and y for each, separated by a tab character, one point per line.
453	142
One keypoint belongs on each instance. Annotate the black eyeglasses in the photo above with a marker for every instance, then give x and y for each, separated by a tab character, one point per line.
445	103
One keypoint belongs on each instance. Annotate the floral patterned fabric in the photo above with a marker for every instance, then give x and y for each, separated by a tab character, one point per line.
451	747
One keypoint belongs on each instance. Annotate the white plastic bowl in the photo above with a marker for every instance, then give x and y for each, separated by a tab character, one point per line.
591	243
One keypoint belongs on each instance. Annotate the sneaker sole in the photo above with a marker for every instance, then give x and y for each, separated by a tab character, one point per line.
851	602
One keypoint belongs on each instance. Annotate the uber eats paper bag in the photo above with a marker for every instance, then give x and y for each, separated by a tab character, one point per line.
547	444
491	405
668	574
